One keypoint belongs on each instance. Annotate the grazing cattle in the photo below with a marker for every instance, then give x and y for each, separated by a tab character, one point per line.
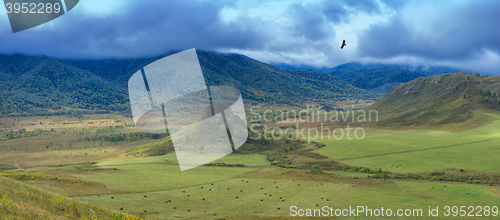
212	184
209	189
274	182
261	188
278	208
145	196
282	200
236	196
321	183
174	207
321	197
270	195
317	205
98	195
261	200
189	210
241	180
188	194
227	188
247	181
203	199
241	190
183	191
202	187
298	184
166	201
265	194
276	187
121	208
327	200
145	210
169	200
280	197
112	197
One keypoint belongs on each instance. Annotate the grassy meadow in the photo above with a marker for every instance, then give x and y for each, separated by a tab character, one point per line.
126	178
419	150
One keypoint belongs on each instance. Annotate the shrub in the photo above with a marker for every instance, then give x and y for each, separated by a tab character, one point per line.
384	175
284	148
6	202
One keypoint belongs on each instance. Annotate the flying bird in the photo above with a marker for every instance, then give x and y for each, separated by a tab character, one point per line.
343	44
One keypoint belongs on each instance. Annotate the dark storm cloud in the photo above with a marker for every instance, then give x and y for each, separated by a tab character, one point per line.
435	32
146	28
307	21
149	28
336	12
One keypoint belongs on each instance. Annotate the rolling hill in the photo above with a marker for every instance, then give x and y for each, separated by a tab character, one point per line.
43	86
438	100
21	201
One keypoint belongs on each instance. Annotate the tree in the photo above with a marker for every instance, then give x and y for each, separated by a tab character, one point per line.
284	148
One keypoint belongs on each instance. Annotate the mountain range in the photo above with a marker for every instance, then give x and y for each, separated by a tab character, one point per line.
45	86
381	78
42	86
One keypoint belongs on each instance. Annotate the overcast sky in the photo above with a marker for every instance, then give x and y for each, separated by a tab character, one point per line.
458	33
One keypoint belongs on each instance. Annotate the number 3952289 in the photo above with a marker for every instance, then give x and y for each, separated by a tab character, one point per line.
33	8
470	211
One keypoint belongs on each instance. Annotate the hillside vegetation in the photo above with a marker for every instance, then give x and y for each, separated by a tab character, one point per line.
44	86
379	79
20	201
439	100
423	70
